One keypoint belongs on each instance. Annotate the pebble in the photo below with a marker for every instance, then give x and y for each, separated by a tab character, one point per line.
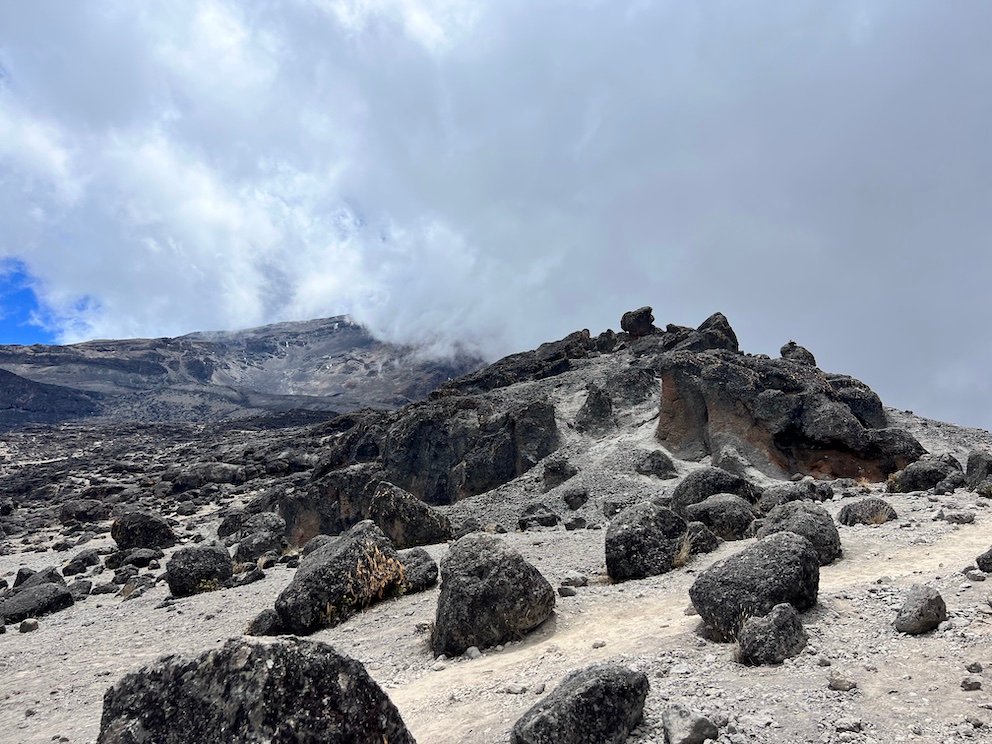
28	625
837	682
970	684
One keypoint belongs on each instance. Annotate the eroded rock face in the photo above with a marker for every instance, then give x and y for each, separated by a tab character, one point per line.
784	417
356	570
783	567
290	691
602	703
489	595
405	519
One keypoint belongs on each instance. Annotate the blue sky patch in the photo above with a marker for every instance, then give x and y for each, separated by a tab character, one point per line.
18	304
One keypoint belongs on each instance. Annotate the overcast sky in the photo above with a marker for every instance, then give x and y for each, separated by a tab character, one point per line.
501	173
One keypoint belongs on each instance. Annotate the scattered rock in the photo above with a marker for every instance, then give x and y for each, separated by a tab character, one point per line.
683	726
27	626
837	681
984	561
979	468
575	498
537	515
557	471
866	511
489	595
727	515
142	529
596	413
922	475
290	690
922	611
196	569
419	570
773	638
602	703
783	567
83	510
807	520
34	601
705	482
645	540
655	463
405	519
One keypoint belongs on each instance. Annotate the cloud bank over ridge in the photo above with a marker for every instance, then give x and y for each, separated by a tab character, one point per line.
500	173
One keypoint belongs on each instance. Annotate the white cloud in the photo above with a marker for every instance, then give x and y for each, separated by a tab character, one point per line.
500	173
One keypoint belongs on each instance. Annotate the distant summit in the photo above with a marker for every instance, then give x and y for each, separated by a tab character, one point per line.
331	364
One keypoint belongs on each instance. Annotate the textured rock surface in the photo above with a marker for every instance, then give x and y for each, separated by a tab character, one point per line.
772	638
728	516
198	569
339	579
808	520
34	601
142	529
872	510
783	567
405	519
705	482
248	692
643	540
922	611
602	703
489	595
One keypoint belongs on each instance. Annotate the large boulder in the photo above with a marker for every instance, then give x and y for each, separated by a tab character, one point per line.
358	569
979	468
782	416
705	482
772	638
142	529
419	570
405	519
289	691
198	568
808	520
984	561
796	353
727	515
923	474
871	510
489	595
34	601
596	413
783	567
645	540
256	544
602	703
655	463
922	610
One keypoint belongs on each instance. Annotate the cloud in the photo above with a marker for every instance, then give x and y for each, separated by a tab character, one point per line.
496	174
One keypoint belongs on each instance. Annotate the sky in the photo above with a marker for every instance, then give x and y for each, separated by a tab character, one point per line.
497	174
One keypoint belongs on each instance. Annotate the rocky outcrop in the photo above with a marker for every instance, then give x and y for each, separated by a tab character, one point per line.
784	417
358	569
925	474
799	354
272	692
602	703
489	595
783	567
637	323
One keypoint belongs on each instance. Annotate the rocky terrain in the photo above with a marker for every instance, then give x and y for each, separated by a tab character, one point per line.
331	364
643	536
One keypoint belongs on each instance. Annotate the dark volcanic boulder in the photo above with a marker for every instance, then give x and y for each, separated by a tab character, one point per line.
81	561
705	482
354	571
199	568
537	515
701	539
405	519
141	529
923	474
34	601
596	414
866	511
256	544
556	471
655	463
808	520
489	595
984	561
83	510
290	691
783	567
602	703
419	570
772	638
780	493
727	515
979	468
782	416
922	611
639	322
796	353
645	540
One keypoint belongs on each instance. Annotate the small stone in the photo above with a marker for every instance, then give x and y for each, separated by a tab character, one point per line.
567	591
976	575
598	644
472	652
574	578
970	684
848	724
975	667
515	689
683	726
840	683
28	625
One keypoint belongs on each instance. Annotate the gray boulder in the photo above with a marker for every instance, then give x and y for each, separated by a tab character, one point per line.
602	703
866	511
405	519
290	691
780	493
772	638
984	561
639	322
796	353
537	515
809	520
979	468
256	544
783	567
923	474
142	529
922	611
727	515
83	510
596	413
358	569
644	540
489	595
655	463
701	539
83	560
419	570
199	568
34	601
705	482
683	726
